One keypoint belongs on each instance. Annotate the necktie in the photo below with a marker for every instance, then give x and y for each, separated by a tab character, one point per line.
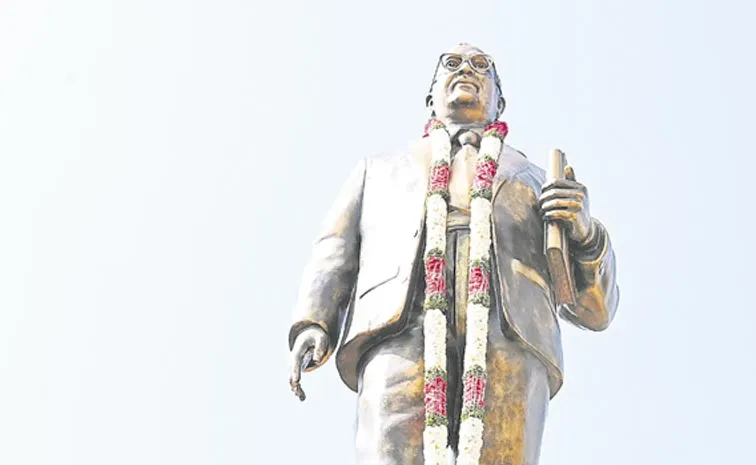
463	169
469	138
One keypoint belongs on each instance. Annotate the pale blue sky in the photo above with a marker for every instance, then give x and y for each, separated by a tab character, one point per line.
164	167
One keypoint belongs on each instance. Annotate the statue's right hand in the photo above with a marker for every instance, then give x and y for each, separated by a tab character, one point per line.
310	343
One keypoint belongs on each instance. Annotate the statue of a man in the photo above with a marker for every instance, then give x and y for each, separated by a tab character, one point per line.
406	300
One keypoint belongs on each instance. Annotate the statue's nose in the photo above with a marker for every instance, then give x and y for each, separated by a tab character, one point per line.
466	68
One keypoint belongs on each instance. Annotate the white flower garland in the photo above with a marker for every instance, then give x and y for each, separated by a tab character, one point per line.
478	305
434	322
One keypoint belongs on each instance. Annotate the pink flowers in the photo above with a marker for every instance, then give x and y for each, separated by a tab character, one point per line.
434	265
431	125
474	391
435	283
439	178
484	174
478	280
497	129
435	396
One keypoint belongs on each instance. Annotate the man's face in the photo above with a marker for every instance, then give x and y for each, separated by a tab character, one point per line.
465	90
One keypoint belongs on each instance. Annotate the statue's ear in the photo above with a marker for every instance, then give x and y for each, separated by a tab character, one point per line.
501	106
429	105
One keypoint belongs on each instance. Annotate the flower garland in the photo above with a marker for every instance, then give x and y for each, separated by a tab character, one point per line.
478	305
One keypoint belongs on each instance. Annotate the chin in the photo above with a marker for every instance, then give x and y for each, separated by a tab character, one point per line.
464	99
468	116
470	110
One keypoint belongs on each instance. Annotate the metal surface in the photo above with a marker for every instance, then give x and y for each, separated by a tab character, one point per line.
362	283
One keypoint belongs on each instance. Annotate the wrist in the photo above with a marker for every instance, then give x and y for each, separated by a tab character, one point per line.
310	327
590	248
312	330
590	238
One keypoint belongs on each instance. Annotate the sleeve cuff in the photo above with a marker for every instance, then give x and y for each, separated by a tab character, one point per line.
298	327
592	248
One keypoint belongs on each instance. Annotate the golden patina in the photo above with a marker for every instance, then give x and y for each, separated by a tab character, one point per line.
361	293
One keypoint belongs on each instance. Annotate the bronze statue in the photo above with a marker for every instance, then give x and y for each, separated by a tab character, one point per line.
379	274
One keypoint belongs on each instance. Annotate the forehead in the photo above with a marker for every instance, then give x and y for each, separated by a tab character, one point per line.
465	49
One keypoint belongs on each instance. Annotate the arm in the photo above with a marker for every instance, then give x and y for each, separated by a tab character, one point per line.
595	281
593	262
330	275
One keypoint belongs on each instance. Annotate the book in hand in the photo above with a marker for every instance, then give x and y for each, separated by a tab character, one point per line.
556	245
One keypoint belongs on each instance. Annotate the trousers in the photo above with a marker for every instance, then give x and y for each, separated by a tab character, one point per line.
391	411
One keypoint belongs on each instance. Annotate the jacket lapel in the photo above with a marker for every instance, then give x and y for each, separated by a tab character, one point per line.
511	162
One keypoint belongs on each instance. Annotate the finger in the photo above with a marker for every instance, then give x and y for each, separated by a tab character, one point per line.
294	379
562	204
560	215
561	193
296	387
299	392
569	173
562	183
320	350
296	364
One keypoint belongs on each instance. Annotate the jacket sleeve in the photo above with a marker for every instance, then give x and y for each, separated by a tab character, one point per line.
595	282
331	273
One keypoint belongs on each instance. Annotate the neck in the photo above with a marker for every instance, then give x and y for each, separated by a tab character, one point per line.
454	127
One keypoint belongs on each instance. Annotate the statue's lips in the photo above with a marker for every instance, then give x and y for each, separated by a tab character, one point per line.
465	85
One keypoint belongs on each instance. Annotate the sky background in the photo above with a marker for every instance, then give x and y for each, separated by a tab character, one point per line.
164	167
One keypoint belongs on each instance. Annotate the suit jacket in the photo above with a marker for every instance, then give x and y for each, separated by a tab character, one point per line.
368	258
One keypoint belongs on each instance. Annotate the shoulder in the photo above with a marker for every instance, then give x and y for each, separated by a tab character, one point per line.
413	154
401	152
387	157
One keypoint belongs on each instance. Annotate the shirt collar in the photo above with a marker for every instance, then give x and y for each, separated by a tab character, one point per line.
456	130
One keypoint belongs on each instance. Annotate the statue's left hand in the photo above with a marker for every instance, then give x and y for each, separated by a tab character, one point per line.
566	201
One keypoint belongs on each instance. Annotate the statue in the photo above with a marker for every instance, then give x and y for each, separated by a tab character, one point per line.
431	270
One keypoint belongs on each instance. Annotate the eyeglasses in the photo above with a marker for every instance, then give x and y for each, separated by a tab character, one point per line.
453	61
480	63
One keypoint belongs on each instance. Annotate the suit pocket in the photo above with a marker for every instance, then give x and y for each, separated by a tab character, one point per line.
533	279
371	281
519	268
